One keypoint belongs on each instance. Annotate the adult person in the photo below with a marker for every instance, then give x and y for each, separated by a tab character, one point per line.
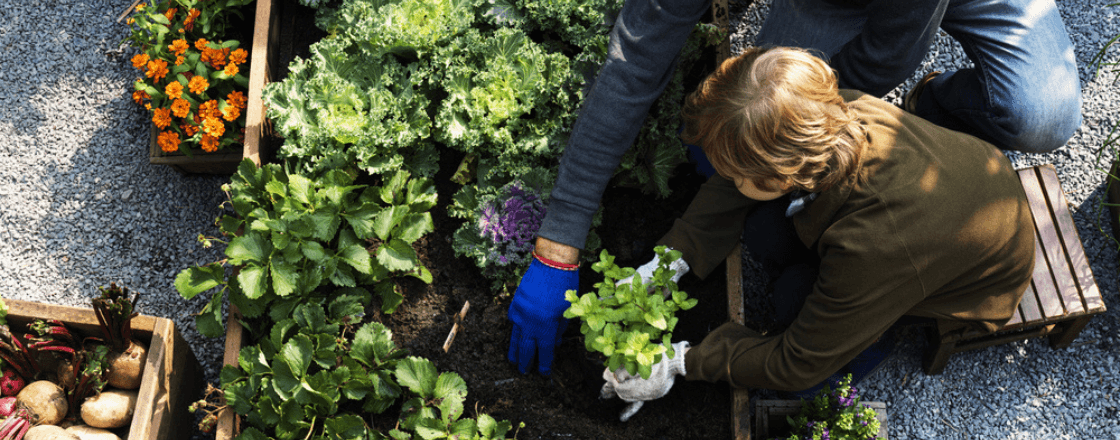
908	219
1023	93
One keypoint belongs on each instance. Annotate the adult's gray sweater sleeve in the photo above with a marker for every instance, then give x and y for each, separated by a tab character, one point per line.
644	44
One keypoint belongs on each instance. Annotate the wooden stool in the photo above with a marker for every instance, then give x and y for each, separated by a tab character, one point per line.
1062	296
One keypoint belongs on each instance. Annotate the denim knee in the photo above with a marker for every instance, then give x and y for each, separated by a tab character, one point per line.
1041	122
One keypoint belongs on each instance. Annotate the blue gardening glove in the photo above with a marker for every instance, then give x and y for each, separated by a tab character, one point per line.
537	313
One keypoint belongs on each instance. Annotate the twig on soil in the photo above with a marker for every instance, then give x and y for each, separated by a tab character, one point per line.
127	11
455	328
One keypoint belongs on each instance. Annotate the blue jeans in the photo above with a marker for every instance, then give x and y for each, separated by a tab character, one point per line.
1023	93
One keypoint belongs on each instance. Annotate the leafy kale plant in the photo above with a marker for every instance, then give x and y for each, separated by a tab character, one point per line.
293	235
318	372
630	323
501	225
834	413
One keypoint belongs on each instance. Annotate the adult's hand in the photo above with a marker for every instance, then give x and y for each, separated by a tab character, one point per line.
638	391
537	313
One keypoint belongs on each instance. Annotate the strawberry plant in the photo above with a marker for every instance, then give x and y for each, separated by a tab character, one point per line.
316	373
293	234
630	323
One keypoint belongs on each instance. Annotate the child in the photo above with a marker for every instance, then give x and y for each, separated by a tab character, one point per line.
861	214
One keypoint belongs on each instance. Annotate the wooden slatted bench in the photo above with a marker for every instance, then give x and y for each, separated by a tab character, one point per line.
1062	296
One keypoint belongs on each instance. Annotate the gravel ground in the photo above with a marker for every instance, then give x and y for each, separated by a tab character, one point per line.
80	207
1023	390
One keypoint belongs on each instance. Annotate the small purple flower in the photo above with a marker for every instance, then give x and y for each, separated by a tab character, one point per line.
825	435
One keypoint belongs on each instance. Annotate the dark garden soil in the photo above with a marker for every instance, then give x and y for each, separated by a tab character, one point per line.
565	405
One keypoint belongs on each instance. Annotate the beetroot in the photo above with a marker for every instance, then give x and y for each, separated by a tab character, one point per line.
7	406
10	383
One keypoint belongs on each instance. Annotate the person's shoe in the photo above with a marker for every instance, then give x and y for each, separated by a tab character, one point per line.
910	101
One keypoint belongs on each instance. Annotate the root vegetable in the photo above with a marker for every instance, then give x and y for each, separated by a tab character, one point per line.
110	409
11	383
48	432
44	402
90	433
126	369
114	311
7	406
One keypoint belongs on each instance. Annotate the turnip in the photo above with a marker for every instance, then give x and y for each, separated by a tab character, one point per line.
110	409
39	403
90	433
49	432
126	356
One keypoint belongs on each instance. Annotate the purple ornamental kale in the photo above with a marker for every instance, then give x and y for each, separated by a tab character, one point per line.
510	221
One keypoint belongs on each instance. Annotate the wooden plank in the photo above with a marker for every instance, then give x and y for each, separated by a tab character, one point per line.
720	17
1017	318
1049	278
740	398
1075	252
1028	306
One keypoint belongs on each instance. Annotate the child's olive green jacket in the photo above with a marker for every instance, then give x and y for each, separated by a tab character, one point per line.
932	223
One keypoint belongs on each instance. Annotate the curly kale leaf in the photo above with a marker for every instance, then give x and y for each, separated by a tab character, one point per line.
344	106
508	100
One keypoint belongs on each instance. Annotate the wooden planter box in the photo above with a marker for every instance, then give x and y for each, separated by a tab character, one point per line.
770	417
172	376
257	127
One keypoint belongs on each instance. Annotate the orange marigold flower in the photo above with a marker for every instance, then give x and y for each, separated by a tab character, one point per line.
209	109
140	7
231	112
188	23
200	43
238	56
231	69
209	143
213	127
139	96
179	60
236	99
170	13
140	60
189	129
179	46
174	89
180	107
161	117
157	69
148	106
198	85
216	57
168	141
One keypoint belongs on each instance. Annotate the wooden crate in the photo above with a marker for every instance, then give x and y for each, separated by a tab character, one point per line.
257	128
172	376
770	416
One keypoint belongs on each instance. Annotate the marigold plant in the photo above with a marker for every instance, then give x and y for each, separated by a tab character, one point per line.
191	81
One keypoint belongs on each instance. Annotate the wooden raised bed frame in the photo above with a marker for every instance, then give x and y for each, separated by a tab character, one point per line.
265	34
172	377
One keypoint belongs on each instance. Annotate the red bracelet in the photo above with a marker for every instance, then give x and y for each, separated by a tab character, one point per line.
555	264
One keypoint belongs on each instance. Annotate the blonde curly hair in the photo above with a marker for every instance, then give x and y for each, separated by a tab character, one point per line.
775	116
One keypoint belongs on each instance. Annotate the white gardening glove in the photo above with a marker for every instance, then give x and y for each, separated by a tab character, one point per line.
678	266
636	390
